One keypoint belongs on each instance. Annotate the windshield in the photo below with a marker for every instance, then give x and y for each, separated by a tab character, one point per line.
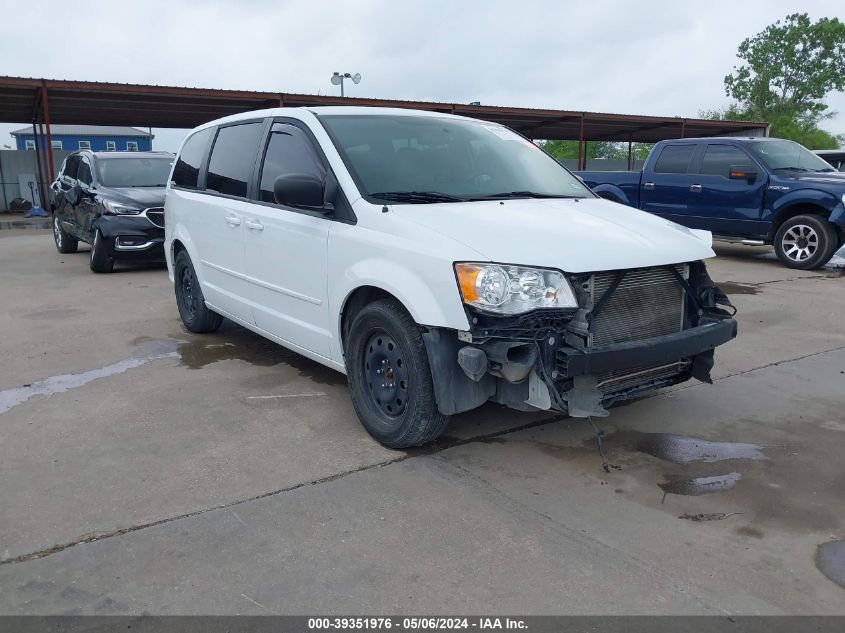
419	159
134	172
788	155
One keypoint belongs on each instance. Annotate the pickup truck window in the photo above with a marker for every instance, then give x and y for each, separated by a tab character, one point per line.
431	159
675	159
718	160
232	159
788	155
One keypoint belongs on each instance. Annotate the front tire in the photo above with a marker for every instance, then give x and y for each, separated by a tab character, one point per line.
805	242
390	378
64	242
101	261
189	298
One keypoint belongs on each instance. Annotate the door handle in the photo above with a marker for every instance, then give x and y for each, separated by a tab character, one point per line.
695	188
648	185
232	220
255	225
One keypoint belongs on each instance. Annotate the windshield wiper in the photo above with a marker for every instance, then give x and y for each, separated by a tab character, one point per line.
521	194
790	169
416	196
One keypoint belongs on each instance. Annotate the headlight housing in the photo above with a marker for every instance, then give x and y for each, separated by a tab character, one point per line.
120	209
506	289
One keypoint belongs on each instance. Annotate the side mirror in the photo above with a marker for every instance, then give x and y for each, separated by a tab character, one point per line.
74	195
738	172
299	190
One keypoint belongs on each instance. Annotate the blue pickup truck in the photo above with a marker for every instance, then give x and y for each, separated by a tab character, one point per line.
750	190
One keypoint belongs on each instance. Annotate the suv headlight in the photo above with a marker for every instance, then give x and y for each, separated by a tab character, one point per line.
120	209
506	289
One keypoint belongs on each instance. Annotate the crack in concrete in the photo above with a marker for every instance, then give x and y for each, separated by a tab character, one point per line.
421	451
432	449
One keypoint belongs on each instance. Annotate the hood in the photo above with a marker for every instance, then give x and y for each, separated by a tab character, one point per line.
575	236
140	196
835	179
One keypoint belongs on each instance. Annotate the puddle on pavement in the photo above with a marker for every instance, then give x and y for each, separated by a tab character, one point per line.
700	485
233	342
146	353
683	450
27	224
734	288
830	559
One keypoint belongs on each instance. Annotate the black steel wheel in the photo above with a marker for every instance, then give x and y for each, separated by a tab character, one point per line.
390	377
189	298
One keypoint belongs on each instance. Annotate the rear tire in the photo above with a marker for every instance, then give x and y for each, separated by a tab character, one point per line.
64	242
189	298
805	242
390	378
101	261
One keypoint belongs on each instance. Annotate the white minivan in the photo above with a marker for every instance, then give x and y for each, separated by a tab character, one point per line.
438	261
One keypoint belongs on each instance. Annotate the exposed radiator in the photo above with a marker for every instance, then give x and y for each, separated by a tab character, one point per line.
648	302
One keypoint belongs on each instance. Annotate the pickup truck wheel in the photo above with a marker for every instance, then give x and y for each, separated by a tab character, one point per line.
805	242
189	298
101	261
64	242
390	378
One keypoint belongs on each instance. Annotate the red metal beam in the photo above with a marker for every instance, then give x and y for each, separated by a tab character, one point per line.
49	149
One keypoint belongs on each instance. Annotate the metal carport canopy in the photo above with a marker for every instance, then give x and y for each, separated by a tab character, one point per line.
24	100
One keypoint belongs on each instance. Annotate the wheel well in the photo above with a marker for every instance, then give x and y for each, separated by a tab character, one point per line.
176	248
357	300
609	196
795	210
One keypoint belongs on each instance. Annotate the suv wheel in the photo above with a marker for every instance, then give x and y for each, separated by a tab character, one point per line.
64	242
805	242
389	377
101	261
189	299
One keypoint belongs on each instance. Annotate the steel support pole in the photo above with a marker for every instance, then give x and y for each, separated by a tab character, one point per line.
49	151
629	154
582	147
40	176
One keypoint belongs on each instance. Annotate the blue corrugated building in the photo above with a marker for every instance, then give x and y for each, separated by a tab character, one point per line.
98	138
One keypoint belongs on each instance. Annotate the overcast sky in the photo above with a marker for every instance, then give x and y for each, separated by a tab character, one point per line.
644	57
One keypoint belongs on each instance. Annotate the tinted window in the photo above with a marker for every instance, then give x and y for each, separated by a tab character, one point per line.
71	166
718	160
134	172
288	152
187	170
674	159
84	175
232	159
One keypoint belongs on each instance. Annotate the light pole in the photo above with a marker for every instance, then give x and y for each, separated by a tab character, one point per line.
337	80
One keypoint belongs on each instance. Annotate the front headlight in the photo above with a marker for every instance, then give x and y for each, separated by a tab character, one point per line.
506	289
120	209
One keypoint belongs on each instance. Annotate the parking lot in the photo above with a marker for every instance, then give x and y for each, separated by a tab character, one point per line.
149	470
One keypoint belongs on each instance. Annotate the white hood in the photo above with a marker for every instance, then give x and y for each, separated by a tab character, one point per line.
575	236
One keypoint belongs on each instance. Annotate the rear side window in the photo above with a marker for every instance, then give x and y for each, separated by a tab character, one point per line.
718	160
288	152
187	170
72	166
84	175
674	159
233	158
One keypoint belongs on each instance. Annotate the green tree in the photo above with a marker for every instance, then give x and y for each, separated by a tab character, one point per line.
787	71
596	149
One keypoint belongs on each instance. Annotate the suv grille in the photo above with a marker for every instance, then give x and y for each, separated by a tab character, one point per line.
156	216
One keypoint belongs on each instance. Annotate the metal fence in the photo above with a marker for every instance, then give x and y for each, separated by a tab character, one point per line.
13	164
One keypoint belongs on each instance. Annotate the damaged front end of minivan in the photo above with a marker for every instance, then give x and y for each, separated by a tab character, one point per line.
623	334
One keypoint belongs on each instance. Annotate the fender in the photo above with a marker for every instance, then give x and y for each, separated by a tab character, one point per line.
441	309
181	234
815	197
616	192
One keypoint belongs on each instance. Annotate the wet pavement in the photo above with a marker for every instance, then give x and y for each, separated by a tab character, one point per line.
147	469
